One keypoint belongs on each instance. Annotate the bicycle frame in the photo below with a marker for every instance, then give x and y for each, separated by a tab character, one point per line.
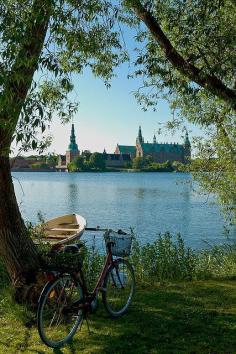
90	296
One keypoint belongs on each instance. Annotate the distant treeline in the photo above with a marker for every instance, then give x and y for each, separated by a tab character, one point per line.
146	164
97	162
88	162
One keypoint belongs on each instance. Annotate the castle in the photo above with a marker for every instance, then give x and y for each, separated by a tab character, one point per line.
158	151
124	154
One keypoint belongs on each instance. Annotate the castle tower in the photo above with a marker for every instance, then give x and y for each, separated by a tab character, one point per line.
140	139
73	150
187	148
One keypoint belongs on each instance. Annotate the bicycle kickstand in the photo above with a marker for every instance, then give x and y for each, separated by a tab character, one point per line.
87	322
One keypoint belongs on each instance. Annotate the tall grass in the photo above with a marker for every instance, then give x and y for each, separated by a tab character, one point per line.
165	259
168	258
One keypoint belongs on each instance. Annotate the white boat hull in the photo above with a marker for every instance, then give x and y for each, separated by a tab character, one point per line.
64	229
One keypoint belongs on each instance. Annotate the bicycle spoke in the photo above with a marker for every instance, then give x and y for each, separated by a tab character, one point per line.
119	286
57	319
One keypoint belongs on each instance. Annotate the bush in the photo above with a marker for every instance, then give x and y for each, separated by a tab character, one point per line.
164	259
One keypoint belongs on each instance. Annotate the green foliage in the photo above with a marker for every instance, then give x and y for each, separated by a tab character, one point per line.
52	160
167	259
42	165
97	161
147	165
203	33
88	162
92	265
138	163
62	261
77	164
179	167
73	36
164	260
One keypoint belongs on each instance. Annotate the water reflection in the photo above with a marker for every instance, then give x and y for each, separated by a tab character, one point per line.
73	197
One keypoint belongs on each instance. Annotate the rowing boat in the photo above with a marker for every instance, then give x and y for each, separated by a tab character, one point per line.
64	229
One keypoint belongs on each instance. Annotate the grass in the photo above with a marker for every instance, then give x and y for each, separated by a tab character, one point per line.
185	303
184	317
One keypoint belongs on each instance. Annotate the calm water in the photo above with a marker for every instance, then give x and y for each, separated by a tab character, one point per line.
148	202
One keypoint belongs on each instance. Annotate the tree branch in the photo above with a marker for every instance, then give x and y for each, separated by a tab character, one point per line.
209	82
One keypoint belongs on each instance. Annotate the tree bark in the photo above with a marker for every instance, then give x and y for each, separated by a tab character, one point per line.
17	250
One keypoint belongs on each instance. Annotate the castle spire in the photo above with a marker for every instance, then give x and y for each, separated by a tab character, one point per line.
186	140
187	148
140	139
73	146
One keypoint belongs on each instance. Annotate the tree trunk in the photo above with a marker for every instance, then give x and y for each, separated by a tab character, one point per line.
17	249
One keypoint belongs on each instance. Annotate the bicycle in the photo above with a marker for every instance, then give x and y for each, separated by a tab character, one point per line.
65	300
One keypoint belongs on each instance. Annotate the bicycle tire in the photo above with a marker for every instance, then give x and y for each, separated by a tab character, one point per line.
119	288
60	294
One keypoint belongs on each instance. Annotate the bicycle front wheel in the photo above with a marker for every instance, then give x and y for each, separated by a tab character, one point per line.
119	287
59	314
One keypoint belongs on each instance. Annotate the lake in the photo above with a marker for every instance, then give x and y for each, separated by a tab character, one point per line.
148	202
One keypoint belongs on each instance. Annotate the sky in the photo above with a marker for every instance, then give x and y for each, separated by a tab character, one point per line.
107	117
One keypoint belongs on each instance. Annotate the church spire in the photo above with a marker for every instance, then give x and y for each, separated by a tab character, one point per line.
187	148
140	139
186	140
73	146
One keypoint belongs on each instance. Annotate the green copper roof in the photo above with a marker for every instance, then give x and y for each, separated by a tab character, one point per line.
127	149
149	148
72	146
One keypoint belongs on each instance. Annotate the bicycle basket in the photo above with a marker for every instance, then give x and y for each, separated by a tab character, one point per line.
121	244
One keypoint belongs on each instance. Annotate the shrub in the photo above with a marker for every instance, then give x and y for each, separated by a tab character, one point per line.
164	259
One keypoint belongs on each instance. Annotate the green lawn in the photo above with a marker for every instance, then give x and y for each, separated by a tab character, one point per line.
193	317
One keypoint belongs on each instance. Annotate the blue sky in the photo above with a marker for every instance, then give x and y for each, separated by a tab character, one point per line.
110	116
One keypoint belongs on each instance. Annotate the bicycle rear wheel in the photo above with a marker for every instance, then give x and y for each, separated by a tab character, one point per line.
58	315
119	287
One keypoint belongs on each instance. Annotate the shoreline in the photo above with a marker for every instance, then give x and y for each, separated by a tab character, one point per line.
98	171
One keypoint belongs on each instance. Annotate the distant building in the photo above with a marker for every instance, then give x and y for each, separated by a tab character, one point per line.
126	149
71	153
124	154
19	162
117	160
158	151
